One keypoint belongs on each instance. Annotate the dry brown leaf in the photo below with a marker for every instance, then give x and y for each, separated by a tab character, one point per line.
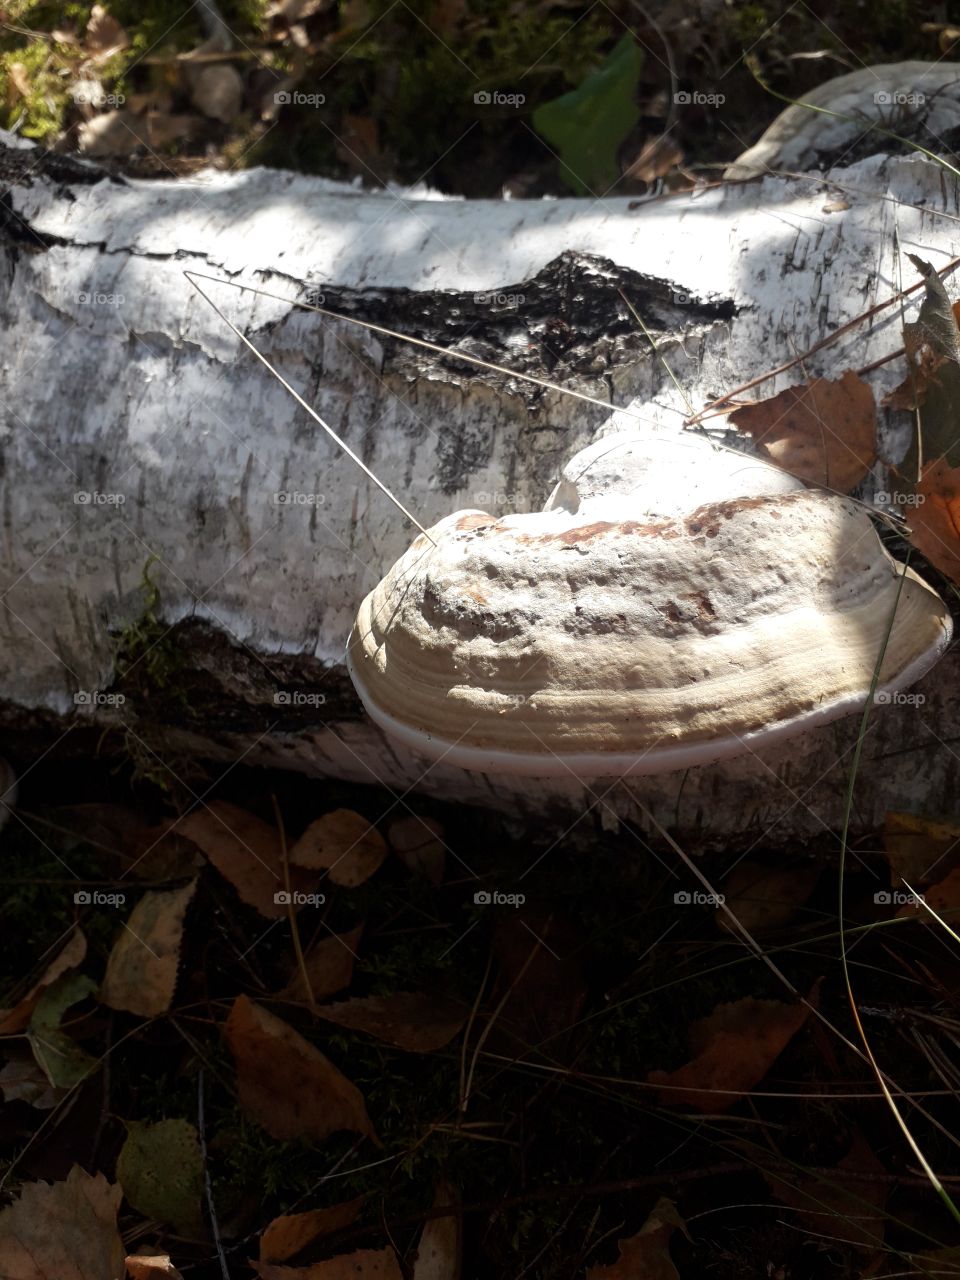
419	844
658	157
928	348
157	1266
365	1264
440	1251
286	1084
23	1080
19	81
414	1021
646	1256
851	1209
246	851
943	897
539	979
291	1232
935	520
217	91
329	965
733	1049
342	843
63	1231
149	851
141	972
916	848
763	897
822	431
104	35
72	954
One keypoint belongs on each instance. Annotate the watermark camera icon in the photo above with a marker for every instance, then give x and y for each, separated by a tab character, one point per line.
282	898
483	98
81	898
682	898
482	898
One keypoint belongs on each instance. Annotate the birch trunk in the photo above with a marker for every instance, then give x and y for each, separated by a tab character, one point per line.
120	383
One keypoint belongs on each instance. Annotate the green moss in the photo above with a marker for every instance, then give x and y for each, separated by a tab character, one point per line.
41	111
146	652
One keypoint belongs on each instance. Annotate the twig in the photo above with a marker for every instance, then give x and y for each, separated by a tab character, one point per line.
291	913
817	346
208	1186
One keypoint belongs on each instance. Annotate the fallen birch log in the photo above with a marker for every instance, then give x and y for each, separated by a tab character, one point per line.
185	549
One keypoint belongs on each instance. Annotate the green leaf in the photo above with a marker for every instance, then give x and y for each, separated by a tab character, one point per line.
161	1171
59	1056
588	125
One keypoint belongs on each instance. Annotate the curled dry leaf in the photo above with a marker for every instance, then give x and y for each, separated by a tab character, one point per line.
414	1021
646	1256
72	954
291	1232
104	35
246	851
823	431
932	348
342	843
932	388
141	972
658	156
286	1084
365	1264
63	1231
733	1049
329	967
151	1266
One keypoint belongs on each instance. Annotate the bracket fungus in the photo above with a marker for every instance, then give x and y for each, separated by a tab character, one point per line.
674	604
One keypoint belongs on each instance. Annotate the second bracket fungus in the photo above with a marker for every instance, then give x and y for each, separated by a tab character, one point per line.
673	604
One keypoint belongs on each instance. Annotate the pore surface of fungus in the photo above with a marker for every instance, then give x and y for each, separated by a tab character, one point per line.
672	605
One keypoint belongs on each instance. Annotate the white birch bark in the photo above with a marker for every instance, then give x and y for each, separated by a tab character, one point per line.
118	381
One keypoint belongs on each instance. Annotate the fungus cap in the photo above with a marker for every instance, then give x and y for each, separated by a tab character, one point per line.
671	606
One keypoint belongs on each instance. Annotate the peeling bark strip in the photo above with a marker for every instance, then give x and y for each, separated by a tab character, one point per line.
184	551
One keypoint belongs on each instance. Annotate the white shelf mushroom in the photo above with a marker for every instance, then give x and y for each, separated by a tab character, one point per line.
672	605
